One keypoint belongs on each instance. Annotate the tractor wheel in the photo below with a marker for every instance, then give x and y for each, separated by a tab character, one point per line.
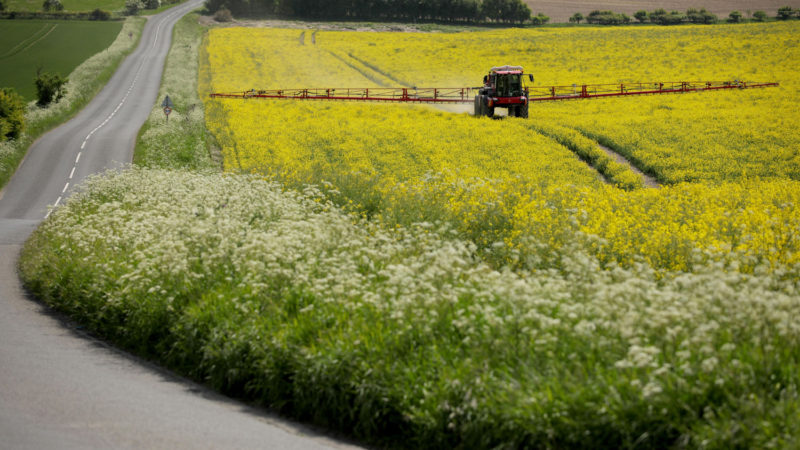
513	111
484	108
523	111
478	109
490	112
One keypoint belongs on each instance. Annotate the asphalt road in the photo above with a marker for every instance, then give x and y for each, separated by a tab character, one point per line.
61	388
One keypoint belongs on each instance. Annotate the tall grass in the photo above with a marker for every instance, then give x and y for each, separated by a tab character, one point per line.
403	337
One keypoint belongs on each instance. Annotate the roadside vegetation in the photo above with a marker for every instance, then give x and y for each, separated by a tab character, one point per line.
424	279
181	141
84	82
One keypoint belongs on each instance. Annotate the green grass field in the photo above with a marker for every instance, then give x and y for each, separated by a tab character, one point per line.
55	46
69	5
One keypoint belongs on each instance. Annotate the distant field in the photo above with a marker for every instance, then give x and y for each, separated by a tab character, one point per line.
69	5
55	46
560	11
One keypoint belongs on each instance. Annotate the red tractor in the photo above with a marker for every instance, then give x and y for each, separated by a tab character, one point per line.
503	88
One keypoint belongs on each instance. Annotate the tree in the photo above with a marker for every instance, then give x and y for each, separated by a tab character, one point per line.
132	7
12	114
640	15
576	18
759	16
2	5
701	16
52	5
152	4
785	12
49	88
540	19
735	17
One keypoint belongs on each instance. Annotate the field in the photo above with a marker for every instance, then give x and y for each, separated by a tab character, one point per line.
55	46
561	11
421	278
69	5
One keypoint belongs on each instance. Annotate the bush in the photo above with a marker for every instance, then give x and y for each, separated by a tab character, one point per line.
152	4
132	7
735	17
607	18
2	5
759	16
49	88
701	16
12	114
52	5
99	14
223	15
576	18
641	16
540	19
785	13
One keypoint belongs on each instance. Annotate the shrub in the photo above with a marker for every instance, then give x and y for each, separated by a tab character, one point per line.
785	13
132	7
12	114
759	16
52	5
576	18
607	18
99	14
223	15
2	5
540	19
735	17
152	4
49	88
702	16
641	16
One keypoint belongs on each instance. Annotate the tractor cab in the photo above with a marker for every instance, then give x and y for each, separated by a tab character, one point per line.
503	87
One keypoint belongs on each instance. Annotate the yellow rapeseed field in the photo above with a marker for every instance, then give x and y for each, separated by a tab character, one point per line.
728	161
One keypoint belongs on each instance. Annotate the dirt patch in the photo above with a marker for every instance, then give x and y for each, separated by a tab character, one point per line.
561	11
648	180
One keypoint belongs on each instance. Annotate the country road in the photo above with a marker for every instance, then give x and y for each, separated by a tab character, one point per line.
61	388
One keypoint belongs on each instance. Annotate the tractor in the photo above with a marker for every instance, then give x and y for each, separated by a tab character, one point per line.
503	88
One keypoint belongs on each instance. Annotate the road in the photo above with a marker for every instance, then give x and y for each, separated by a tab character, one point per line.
61	388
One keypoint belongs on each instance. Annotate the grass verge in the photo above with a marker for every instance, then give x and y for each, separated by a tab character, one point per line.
84	82
181	141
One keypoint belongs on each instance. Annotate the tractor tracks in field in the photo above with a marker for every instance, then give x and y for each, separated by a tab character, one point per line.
648	180
30	41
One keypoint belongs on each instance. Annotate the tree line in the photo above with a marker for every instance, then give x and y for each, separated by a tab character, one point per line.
453	11
663	17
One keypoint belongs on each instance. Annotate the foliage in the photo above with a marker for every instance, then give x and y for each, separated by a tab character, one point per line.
402	337
539	19
701	16
12	114
607	18
50	88
223	15
576	18
785	13
461	11
759	16
2	5
641	16
52	5
735	17
132	7
99	14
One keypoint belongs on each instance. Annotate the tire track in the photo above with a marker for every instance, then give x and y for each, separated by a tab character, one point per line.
16	48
